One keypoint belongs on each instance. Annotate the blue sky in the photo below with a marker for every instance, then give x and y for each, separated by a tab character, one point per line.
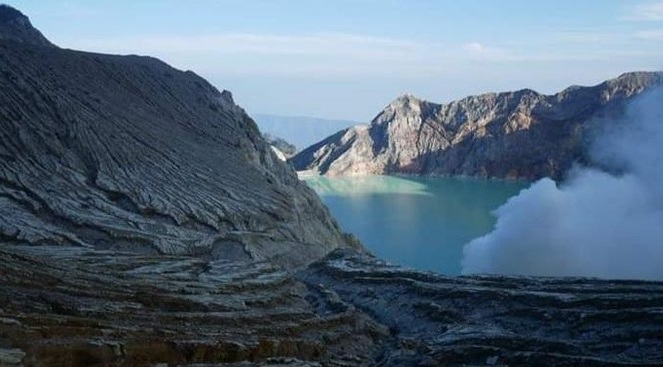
347	59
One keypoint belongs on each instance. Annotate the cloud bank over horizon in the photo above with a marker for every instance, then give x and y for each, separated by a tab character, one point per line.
595	224
346	59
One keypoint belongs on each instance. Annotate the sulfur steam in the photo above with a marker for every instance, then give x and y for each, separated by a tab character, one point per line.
595	223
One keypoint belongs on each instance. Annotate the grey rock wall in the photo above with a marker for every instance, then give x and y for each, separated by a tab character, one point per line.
520	134
126	152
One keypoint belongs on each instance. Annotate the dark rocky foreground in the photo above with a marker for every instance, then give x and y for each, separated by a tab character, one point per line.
521	134
81	307
144	221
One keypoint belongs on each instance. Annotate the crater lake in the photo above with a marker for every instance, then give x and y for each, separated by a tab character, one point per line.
419	222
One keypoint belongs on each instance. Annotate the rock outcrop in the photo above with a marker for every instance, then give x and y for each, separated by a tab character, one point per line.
281	148
128	153
16	27
520	134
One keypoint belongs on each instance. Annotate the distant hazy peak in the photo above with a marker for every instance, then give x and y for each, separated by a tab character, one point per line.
15	26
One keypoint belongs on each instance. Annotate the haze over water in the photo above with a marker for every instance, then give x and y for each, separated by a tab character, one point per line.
421	223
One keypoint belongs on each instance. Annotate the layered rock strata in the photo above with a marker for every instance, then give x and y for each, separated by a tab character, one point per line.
82	307
128	153
522	134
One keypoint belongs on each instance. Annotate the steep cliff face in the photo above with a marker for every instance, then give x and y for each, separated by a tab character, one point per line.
520	134
126	152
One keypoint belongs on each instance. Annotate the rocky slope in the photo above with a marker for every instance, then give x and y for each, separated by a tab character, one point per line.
16	27
281	148
520	134
126	152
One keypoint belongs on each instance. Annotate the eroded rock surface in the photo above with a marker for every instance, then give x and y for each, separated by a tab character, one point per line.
82	307
485	320
520	134
16	27
126	152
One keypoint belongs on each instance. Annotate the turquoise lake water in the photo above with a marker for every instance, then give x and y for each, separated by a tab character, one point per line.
421	223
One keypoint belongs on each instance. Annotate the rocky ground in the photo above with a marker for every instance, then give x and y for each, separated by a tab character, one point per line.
80	307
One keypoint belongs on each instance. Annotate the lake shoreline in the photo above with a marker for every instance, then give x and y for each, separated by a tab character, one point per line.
417	222
307	174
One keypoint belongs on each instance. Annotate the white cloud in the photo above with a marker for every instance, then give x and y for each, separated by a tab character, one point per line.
241	43
595	223
477	50
332	55
650	35
241	53
647	11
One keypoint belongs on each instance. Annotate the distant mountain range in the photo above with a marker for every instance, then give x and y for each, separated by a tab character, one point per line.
521	134
301	131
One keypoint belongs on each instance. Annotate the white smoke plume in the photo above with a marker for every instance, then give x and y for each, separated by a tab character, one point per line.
594	224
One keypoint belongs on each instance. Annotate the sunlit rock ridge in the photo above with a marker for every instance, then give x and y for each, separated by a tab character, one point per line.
522	134
145	222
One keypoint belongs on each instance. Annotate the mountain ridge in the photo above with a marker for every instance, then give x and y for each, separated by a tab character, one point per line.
16	27
126	152
520	134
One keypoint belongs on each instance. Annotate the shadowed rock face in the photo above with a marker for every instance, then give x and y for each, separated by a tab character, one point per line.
16	27
125	152
520	134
